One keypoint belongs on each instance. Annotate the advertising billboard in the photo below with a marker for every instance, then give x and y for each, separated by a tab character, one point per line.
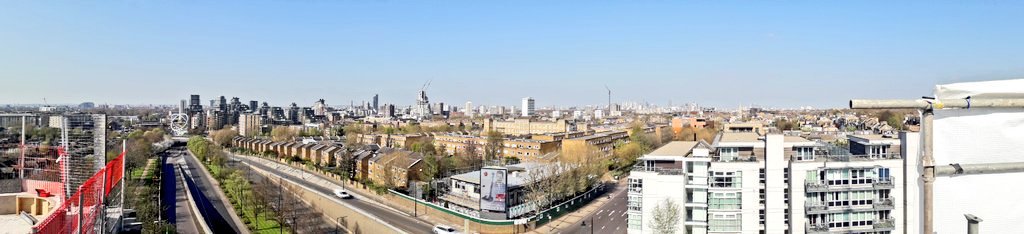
492	188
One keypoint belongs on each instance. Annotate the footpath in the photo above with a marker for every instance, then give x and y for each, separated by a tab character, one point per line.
573	219
556	226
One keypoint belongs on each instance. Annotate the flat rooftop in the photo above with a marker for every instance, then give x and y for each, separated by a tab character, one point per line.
795	139
739	137
518	174
874	139
675	148
13	223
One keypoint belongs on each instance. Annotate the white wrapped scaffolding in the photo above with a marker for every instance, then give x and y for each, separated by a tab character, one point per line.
973	136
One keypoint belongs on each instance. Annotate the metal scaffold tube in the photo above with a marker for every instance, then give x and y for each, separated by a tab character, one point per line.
981	168
935	103
927	106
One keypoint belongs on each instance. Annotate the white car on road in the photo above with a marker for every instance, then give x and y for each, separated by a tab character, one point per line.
342	194
442	229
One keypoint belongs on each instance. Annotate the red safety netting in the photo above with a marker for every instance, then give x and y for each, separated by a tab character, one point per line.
114	172
83	208
42	171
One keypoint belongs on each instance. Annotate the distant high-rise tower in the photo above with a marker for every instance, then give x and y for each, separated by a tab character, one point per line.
468	109
293	113
422	108
320	108
528	107
222	103
375	102
389	110
194	105
253	106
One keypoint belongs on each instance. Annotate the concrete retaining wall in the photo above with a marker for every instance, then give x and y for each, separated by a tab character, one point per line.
355	221
407	205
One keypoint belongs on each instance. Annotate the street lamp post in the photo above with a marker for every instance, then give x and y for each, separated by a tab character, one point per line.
592	224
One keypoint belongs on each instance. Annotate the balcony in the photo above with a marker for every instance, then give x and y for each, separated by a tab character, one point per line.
734	159
659	170
880	225
816	207
822	186
815	228
884	204
884	184
884	225
700	223
856	158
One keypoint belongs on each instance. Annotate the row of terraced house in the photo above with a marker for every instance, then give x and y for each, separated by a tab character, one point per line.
369	162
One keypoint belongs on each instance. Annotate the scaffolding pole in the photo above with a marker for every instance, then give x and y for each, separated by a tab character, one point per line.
978	169
927	106
21	161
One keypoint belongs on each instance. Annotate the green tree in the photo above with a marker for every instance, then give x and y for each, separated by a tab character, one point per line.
199	146
390	130
311	132
495	145
424	147
353	134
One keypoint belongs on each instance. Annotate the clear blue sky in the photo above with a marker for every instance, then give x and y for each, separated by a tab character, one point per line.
775	54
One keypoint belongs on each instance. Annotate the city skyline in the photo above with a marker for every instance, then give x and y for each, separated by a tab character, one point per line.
762	54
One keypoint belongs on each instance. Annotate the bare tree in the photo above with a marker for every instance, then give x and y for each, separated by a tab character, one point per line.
665	217
539	187
282	133
223	137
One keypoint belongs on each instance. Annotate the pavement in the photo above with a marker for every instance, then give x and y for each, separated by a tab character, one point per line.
603	215
186	220
391	216
205	182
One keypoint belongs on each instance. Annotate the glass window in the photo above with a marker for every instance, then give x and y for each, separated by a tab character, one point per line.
804	153
883	174
725	201
728	154
724	223
812	176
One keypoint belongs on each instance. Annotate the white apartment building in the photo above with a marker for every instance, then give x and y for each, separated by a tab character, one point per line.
664	174
748	183
528	107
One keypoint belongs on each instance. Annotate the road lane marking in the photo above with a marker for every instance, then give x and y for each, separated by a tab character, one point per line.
623	214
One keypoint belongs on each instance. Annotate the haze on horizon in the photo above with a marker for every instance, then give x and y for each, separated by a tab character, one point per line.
725	54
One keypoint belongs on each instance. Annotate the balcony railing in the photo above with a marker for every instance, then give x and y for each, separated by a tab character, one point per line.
884	204
735	159
815	228
884	225
854	158
659	170
817	207
884	184
822	186
878	225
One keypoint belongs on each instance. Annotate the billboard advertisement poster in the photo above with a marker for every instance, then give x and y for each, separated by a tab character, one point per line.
492	188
